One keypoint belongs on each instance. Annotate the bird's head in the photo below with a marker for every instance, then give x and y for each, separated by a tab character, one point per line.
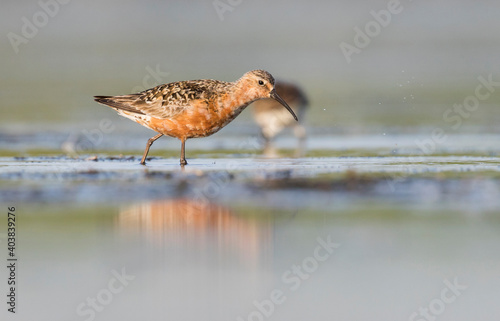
261	84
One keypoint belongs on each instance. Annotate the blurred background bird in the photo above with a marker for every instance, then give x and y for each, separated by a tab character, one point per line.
272	118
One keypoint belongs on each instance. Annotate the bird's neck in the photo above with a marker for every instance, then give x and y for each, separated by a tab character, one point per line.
240	95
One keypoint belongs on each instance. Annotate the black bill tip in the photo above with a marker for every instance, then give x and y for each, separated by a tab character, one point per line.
275	96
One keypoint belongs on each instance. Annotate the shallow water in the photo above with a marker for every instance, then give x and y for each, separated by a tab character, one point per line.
234	230
190	259
225	236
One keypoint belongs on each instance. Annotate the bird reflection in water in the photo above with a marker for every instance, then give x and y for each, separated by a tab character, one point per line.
198	225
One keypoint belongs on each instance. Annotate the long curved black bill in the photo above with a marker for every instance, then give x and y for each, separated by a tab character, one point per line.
275	96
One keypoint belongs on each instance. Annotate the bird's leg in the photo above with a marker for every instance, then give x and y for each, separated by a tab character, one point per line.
269	150
150	142
183	152
264	139
300	133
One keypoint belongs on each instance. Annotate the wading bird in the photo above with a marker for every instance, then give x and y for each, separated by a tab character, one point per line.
193	108
272	118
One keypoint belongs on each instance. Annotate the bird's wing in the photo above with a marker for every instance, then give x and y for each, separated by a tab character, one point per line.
164	101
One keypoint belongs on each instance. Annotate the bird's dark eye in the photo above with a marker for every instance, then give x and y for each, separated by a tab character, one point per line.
261	82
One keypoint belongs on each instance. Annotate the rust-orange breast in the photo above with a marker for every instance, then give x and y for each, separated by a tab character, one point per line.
202	118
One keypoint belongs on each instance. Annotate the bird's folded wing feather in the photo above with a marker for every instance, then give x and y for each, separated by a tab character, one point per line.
164	101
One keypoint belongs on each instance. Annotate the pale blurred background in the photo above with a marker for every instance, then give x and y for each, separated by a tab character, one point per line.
426	59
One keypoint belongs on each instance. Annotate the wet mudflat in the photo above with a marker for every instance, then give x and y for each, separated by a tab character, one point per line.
115	179
244	237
